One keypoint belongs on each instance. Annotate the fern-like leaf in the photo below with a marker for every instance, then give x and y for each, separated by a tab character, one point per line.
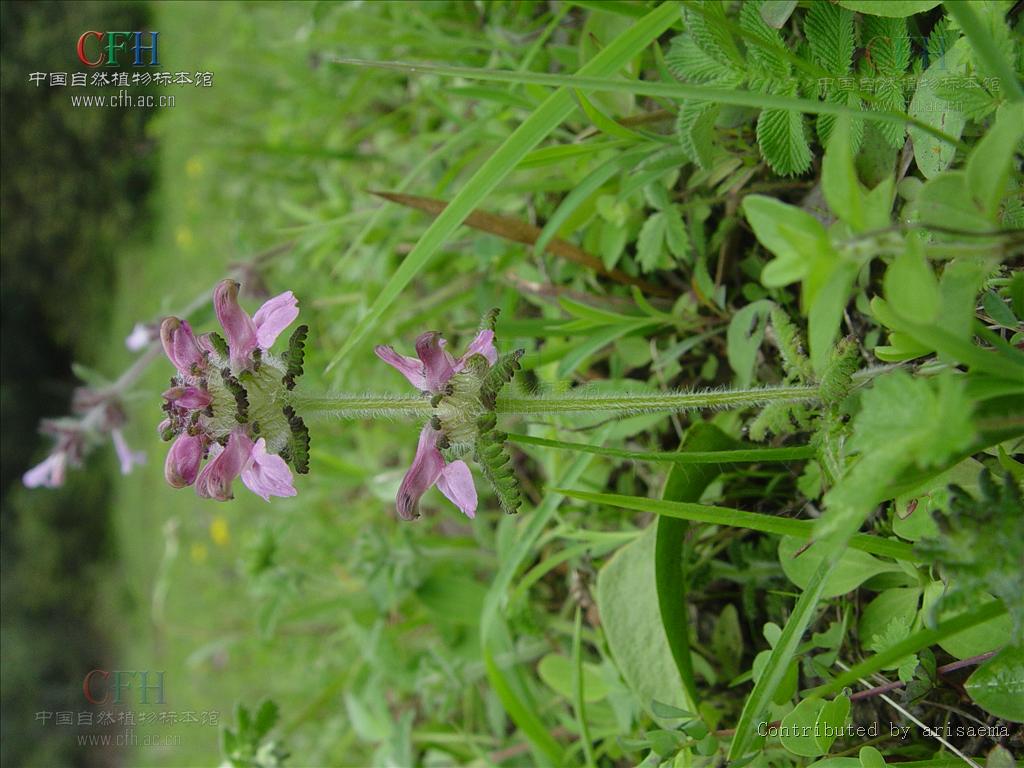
496	464
695	131
829	32
498	376
782	136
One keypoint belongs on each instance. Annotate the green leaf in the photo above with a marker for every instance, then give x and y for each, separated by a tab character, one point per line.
501	163
682	484
903	422
892	8
851	570
898	603
676	237
826	313
556	671
650	245
744	337
829	32
775	13
796	238
632	624
871	758
910	284
946	202
989	164
781	656
798	727
839	181
997	686
695	131
782	137
933	155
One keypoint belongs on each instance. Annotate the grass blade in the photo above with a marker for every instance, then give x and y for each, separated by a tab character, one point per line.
528	135
586	81
780	658
779	526
737	456
523	232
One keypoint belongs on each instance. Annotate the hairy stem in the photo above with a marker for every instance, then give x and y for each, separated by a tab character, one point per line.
346	406
652	402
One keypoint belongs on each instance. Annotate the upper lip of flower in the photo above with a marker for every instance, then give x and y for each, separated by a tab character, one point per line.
433	365
246	334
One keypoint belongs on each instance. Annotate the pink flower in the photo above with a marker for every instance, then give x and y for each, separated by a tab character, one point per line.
227	404
247	334
125	454
267	474
49	473
215	479
433	366
141	336
183	460
181	346
428	468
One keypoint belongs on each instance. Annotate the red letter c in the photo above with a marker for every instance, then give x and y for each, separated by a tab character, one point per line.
84	60
102	673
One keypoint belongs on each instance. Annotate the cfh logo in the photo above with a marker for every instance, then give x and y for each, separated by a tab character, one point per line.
107	687
96	49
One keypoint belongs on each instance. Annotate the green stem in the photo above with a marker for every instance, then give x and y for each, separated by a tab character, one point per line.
651	402
345	406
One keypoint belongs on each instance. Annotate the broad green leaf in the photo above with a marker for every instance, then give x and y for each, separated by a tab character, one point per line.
796	238
989	164
871	758
946	202
910	285
839	178
933	155
997	686
798	727
897	603
1000	758
913	511
502	162
851	570
827	304
682	484
776	13
556	671
632	624
893	8
982	638
650	245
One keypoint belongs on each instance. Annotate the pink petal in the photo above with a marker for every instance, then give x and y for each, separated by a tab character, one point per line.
267	475
49	473
436	364
426	468
456	482
192	398
483	344
239	328
274	316
214	481
180	345
126	455
409	367
183	460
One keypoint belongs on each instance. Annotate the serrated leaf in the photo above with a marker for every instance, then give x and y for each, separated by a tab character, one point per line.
829	32
766	53
782	137
695	131
676	236
989	164
650	244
